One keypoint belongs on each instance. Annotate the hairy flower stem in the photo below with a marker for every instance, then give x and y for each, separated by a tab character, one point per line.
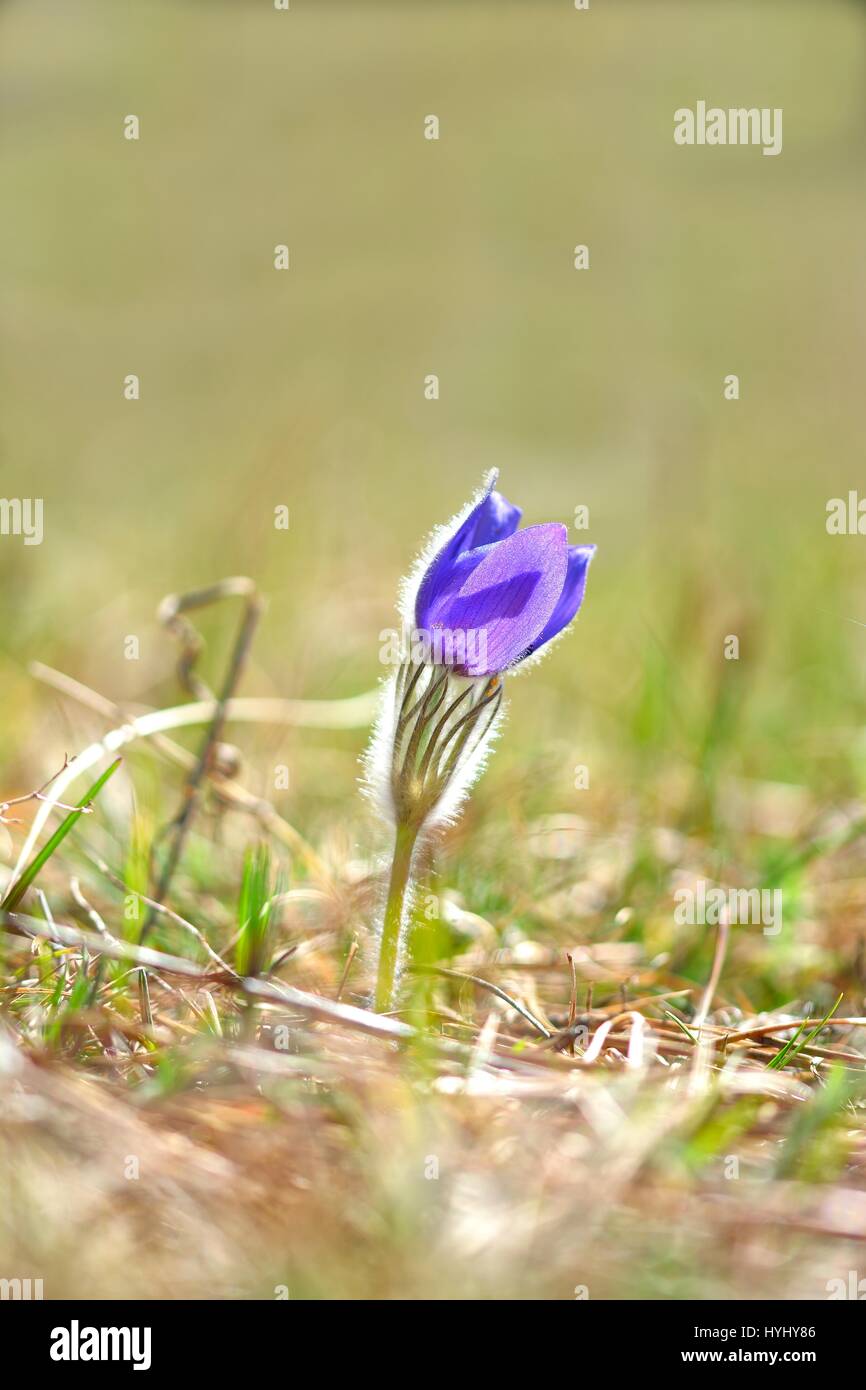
441	720
395	909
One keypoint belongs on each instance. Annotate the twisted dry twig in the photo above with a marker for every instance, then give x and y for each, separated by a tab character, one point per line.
39	795
171	613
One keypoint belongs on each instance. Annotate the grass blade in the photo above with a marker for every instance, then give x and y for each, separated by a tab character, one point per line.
678	1021
19	888
793	1046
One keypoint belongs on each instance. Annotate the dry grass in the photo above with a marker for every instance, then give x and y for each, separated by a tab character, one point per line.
544	1114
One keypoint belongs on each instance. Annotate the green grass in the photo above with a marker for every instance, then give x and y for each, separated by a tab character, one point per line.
31	871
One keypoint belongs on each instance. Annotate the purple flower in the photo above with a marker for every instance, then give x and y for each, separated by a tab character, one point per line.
494	595
499	594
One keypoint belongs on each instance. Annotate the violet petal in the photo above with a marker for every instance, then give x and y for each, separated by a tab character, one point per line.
507	592
579	557
493	518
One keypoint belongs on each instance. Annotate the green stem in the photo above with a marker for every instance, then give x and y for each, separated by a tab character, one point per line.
404	848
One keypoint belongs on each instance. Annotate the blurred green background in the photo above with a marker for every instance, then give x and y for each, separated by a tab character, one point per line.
408	257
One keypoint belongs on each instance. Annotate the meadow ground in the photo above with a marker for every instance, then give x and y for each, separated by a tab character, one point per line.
167	1133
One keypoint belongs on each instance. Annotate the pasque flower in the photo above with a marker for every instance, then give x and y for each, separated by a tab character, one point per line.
483	599
516	590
